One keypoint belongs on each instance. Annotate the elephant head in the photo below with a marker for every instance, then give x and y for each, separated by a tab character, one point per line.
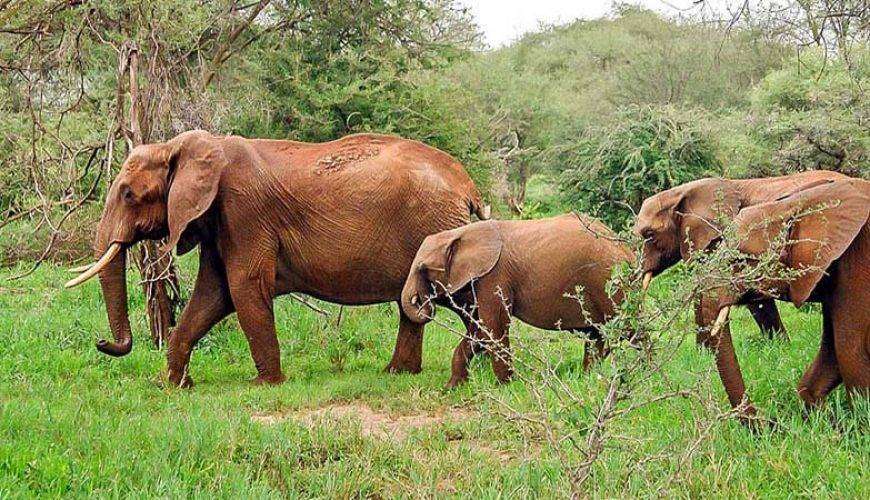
446	262
677	222
681	220
159	191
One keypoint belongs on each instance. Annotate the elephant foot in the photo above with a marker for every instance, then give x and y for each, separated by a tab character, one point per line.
403	367
269	379
780	335
812	400
180	380
504	380
504	377
704	341
749	417
455	382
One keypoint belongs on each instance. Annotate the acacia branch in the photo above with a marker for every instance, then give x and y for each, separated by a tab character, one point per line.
221	54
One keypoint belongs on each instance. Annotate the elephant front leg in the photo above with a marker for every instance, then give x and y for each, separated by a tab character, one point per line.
823	375
468	347
408	353
704	321
209	303
595	351
767	317
726	359
495	322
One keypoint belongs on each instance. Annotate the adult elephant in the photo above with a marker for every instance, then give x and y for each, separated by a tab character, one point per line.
340	221
687	218
827	250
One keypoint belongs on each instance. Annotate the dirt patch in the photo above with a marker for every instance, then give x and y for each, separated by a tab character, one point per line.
372	422
349	155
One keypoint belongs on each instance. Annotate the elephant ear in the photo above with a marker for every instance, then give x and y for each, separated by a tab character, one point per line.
196	162
472	254
696	234
699	210
797	187
821	223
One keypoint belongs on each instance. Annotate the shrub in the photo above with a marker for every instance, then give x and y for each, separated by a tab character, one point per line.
812	114
646	149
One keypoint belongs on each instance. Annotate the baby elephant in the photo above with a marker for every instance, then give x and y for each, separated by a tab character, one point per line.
516	268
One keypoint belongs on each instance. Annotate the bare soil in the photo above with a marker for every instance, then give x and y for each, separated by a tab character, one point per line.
372	422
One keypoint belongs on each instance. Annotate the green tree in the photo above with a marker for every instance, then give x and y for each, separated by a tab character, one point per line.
812	114
644	150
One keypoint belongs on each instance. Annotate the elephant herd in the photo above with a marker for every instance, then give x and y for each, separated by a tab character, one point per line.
374	218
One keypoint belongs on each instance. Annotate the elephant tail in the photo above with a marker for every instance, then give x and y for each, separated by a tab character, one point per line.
477	207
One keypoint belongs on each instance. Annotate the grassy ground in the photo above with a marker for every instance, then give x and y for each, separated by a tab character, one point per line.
74	422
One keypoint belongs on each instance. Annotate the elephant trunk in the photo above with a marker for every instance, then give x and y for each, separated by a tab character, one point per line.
113	281
729	367
416	302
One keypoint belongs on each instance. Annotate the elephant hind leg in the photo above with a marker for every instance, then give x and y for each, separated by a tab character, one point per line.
408	353
595	351
823	374
767	317
851	339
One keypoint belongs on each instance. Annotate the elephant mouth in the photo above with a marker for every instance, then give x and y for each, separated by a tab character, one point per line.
155	234
423	307
90	270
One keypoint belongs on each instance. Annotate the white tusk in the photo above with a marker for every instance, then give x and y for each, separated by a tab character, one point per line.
415	299
647	278
720	321
80	269
107	257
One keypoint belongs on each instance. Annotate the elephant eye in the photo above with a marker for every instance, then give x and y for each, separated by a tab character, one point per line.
647	233
127	193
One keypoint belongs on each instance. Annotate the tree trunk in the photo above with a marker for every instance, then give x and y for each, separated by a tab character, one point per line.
160	284
517	198
158	271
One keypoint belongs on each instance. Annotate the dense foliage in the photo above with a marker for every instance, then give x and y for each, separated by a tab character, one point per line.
814	113
645	150
540	100
591	115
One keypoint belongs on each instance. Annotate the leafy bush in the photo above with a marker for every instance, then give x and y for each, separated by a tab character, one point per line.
645	150
812	114
527	103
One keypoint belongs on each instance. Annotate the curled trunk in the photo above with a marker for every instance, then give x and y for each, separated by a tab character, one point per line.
113	281
415	300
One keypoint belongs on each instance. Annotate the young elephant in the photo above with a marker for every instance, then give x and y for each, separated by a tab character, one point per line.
828	244
516	268
685	219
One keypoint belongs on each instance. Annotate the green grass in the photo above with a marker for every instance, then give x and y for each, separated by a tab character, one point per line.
74	422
